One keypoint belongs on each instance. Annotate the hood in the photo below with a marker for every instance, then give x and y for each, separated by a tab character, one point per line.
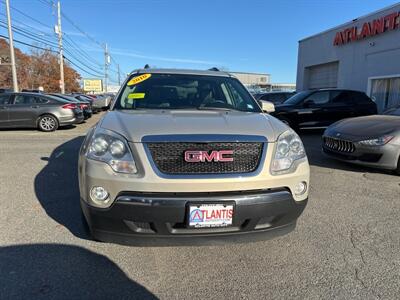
134	125
366	127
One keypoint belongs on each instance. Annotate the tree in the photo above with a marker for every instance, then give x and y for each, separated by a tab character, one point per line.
38	69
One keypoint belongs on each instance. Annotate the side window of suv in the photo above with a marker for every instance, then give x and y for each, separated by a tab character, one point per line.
4	99
318	98
346	97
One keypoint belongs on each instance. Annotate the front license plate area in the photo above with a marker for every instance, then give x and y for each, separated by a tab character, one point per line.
210	215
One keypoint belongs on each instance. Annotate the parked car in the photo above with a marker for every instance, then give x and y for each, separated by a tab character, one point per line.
84	105
190	156
5	90
274	97
83	97
321	108
102	101
34	110
371	141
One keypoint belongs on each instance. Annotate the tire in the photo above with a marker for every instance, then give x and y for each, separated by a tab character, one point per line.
47	123
397	171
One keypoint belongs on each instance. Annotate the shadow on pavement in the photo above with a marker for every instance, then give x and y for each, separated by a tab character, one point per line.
312	140
57	187
62	128
51	271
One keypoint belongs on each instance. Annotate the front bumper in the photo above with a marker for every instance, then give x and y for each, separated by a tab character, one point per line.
383	157
161	218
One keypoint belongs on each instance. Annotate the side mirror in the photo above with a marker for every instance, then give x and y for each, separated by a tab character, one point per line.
308	103
267	106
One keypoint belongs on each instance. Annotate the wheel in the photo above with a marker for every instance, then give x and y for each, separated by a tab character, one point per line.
397	171
47	123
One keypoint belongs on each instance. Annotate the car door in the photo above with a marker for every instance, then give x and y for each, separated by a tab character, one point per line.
23	111
311	111
4	106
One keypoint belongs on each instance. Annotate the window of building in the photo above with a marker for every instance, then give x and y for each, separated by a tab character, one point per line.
385	92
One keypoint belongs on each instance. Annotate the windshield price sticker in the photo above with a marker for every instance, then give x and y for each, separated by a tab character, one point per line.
139	79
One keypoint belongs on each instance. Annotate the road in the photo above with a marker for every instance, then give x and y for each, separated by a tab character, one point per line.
346	244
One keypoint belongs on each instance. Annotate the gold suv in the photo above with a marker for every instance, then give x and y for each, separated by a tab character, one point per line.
189	156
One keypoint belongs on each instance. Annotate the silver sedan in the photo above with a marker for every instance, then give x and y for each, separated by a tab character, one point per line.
372	141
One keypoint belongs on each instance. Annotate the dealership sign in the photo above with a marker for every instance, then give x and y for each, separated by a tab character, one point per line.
375	27
92	85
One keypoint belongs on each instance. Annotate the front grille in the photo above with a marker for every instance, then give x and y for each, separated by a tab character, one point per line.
339	145
168	157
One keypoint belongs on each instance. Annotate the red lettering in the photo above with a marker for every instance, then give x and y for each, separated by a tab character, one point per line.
390	21
338	39
209	157
378	26
353	34
230	213
365	31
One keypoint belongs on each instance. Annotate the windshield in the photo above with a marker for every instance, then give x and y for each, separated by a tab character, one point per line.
178	91
297	98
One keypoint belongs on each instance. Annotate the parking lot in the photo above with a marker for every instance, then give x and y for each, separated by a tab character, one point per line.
346	244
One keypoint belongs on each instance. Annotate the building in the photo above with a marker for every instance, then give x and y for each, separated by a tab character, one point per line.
253	79
363	54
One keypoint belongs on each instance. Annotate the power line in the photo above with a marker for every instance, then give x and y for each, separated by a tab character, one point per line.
45	42
28	16
27	33
83	70
30	45
74	45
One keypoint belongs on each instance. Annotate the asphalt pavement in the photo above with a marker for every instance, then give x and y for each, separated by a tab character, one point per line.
346	244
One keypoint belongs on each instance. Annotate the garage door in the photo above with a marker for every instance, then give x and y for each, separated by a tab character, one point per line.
323	76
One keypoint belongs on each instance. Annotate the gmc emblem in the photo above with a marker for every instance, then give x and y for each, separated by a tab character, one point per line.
206	156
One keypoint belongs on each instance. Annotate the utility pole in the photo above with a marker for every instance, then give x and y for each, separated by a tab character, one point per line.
11	44
106	63
119	75
60	48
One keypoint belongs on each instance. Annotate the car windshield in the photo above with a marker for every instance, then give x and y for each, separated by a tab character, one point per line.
179	91
297	98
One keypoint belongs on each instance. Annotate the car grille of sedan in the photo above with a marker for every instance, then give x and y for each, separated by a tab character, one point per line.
169	157
339	145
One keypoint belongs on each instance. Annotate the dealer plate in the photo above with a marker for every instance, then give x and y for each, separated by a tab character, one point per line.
210	215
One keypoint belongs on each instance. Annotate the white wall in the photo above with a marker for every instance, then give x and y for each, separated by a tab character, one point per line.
358	60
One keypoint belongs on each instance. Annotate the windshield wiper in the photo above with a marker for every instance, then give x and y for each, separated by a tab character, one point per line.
216	108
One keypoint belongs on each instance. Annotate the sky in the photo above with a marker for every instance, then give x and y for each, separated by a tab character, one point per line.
236	35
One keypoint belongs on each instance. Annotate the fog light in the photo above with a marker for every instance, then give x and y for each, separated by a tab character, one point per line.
99	194
300	188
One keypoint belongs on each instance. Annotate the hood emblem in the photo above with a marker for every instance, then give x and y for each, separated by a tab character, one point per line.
206	156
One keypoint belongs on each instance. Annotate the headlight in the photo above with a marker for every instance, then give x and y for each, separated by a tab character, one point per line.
111	148
380	141
288	149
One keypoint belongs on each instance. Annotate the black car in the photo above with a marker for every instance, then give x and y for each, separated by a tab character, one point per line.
321	108
274	97
84	105
32	110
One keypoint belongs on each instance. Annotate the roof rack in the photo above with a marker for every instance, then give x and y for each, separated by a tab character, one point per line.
214	69
146	66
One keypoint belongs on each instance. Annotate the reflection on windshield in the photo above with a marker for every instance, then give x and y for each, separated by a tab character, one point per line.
178	91
297	98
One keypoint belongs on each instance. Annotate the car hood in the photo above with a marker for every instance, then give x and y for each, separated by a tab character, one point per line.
134	125
369	126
